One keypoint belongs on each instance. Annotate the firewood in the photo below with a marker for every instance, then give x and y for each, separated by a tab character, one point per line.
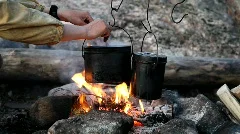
230	101
236	91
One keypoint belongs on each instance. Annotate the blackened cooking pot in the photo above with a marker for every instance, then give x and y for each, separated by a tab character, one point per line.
147	75
107	64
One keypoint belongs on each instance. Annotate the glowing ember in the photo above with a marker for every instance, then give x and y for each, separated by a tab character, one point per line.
141	105
138	124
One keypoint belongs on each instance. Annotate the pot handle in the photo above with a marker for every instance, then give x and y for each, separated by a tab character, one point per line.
149	31
83	48
114	22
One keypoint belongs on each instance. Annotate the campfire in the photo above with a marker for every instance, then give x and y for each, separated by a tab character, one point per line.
115	98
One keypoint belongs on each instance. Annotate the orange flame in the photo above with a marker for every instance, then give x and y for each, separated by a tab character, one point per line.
83	102
120	97
94	89
121	93
141	105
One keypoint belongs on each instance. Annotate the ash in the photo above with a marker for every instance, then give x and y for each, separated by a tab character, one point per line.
156	113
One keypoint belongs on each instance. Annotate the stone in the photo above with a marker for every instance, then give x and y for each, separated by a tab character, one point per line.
14	120
47	110
177	126
41	132
203	112
229	128
65	90
101	122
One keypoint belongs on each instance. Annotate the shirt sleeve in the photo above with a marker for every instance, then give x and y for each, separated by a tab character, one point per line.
31	4
23	23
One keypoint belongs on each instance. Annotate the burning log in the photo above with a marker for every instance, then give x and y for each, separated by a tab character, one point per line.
61	65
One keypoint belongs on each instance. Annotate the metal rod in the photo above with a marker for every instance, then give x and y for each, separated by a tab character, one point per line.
149	31
173	11
114	22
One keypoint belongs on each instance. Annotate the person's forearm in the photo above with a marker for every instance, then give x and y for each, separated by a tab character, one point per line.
73	32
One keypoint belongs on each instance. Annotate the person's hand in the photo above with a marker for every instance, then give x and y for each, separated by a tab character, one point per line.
97	28
75	17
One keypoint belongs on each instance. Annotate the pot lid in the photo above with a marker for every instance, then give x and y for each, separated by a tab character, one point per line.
107	49
148	57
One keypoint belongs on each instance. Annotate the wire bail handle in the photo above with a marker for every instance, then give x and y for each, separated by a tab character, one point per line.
149	31
83	48
118	27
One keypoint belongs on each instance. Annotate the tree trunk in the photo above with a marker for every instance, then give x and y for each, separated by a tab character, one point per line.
61	65
189	71
40	65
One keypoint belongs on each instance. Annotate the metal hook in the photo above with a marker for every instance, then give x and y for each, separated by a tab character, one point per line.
114	22
116	10
173	11
149	31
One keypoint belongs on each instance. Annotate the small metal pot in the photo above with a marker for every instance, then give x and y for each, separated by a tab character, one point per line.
148	75
107	64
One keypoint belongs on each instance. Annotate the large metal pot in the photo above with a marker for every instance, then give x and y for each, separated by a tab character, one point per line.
107	64
147	75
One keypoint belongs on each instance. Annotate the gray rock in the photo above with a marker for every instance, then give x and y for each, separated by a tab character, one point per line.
100	122
14	120
47	110
229	128
177	126
41	132
204	113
